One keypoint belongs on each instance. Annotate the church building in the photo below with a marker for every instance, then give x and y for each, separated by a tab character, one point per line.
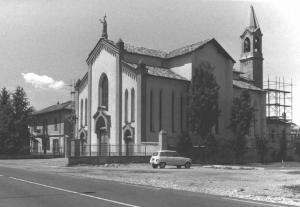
130	94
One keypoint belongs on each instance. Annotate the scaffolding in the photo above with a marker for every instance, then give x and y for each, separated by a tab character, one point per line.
279	99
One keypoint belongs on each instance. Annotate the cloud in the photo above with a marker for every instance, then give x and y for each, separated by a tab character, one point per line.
42	81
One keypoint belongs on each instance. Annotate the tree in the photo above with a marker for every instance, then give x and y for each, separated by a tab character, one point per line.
6	122
184	145
203	108
241	116
21	112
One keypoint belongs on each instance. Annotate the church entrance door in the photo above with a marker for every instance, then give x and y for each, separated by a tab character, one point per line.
102	143
102	137
129	143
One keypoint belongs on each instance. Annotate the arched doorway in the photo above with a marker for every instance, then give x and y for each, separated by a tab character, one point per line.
129	143
102	137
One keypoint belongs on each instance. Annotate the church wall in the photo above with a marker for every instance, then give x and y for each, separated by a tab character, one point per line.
148	60
167	86
129	82
105	63
223	73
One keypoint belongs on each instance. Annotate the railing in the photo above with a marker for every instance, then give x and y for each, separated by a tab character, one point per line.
78	149
59	151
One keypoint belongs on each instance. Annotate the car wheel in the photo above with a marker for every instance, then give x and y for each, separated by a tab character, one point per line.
162	165
187	165
178	166
154	165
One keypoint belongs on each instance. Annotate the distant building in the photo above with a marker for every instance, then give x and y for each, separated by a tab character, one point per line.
50	129
129	94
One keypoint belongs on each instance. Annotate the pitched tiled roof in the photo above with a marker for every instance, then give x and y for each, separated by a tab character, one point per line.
245	85
187	49
157	71
57	107
176	52
145	51
164	72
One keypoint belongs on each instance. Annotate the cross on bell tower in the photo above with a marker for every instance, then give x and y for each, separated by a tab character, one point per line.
251	61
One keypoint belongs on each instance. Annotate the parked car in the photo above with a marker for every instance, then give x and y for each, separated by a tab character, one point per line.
167	157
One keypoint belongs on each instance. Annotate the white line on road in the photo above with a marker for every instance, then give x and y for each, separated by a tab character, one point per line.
74	192
254	202
1	175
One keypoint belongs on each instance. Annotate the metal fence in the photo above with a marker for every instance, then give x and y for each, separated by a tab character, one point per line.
79	149
58	151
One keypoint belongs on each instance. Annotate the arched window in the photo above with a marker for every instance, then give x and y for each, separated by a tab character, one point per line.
160	110
151	111
126	106
247	45
85	112
103	91
81	112
132	105
173	112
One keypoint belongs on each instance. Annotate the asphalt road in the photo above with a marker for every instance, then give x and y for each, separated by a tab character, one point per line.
23	188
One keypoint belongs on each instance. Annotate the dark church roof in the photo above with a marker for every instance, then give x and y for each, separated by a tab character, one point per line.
164	72
177	52
157	71
57	107
145	51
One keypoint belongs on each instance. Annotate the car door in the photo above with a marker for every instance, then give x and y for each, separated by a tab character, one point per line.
177	159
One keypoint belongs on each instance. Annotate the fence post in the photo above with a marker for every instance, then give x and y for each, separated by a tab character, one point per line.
145	151
109	150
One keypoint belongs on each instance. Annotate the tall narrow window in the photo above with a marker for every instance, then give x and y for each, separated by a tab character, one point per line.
173	112
181	113
151	111
126	106
103	91
247	47
55	124
160	110
85	112
81	112
132	105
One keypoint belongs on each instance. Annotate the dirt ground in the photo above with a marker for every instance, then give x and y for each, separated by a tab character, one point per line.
277	182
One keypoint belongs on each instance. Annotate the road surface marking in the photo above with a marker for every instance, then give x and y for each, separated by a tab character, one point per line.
74	192
254	202
1	175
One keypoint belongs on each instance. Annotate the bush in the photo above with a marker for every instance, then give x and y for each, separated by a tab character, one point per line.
184	145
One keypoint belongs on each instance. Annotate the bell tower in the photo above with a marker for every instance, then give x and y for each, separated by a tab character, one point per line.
251	61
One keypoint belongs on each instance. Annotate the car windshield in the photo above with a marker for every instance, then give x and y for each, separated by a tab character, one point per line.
155	154
163	154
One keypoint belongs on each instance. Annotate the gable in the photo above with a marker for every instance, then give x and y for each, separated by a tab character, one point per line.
108	45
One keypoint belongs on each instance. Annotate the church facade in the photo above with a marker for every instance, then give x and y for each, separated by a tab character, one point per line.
130	94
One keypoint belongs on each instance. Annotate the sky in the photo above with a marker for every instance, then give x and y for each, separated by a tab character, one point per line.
44	43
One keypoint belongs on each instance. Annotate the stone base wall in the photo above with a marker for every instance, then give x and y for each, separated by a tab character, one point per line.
97	160
20	157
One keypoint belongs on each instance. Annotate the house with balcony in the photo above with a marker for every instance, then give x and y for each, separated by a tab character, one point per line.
51	129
